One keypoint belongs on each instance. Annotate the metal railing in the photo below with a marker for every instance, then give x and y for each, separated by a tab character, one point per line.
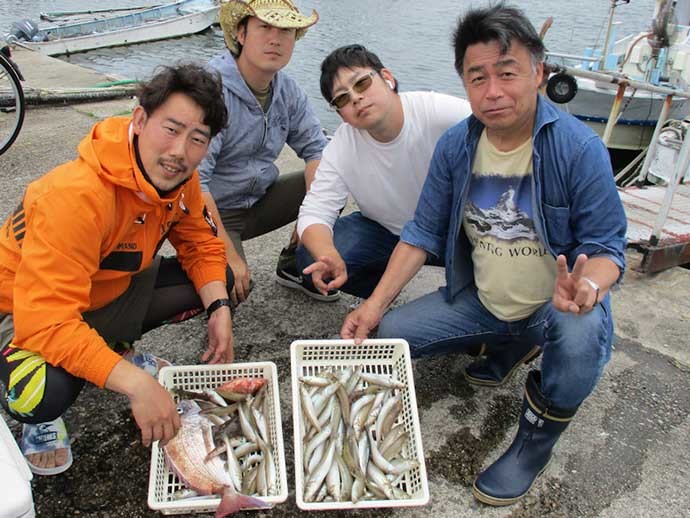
681	165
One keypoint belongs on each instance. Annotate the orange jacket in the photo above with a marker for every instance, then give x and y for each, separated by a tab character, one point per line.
79	235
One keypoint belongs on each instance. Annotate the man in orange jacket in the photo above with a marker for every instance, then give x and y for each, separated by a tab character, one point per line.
79	271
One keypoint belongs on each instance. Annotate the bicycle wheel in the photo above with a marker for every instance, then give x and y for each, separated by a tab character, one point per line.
12	105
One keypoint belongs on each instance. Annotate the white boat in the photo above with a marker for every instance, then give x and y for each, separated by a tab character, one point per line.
166	21
658	57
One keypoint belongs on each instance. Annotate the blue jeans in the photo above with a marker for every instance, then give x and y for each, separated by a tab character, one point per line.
575	347
364	245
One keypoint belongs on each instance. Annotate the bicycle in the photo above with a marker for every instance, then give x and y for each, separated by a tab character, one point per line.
12	103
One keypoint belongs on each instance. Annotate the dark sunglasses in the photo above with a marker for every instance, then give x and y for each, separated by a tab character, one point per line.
361	85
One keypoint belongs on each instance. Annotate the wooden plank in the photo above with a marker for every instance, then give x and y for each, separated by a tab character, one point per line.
642	204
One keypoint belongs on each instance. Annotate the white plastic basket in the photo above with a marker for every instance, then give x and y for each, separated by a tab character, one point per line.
163	483
389	357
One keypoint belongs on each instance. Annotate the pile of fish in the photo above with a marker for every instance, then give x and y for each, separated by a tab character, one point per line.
223	445
352	440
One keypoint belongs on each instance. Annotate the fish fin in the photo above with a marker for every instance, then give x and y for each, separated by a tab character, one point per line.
232	502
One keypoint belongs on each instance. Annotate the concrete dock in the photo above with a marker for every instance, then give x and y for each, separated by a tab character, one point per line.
625	455
42	71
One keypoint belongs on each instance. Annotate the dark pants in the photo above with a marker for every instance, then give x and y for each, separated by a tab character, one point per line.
576	347
278	207
365	246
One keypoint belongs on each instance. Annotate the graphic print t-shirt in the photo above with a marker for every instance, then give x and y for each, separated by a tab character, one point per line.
513	270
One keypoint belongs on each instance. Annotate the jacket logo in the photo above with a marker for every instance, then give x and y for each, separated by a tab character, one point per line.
183	206
211	223
126	246
18	224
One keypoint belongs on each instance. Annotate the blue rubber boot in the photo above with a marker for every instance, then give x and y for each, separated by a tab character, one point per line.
512	475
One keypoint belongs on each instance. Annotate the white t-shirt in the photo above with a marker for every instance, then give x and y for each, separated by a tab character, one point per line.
384	179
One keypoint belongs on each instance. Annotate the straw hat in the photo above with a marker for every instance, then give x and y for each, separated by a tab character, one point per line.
279	13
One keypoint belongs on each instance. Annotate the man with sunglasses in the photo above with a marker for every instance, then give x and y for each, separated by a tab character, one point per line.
521	203
268	109
380	156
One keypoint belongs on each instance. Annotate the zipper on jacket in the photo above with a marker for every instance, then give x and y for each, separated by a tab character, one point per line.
263	137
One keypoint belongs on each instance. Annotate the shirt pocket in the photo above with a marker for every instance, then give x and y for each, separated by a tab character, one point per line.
557	224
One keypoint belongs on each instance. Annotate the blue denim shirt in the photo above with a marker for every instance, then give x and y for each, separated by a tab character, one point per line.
575	203
239	166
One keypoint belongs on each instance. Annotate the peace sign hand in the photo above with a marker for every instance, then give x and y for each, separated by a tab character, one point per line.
573	292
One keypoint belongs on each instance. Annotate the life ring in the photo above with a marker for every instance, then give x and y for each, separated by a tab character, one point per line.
561	88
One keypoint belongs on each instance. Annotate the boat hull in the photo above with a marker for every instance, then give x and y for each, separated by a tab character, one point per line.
151	31
639	112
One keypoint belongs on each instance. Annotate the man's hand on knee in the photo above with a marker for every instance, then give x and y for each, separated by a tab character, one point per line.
573	292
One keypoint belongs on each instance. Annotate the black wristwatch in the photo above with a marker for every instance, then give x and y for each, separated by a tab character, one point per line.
218	303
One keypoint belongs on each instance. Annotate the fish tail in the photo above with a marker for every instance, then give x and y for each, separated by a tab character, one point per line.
232	502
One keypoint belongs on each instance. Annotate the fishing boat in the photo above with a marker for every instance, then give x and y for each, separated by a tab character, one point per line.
157	23
658	57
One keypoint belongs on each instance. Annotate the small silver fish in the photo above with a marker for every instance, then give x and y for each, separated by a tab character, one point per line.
317	477
381	380
308	409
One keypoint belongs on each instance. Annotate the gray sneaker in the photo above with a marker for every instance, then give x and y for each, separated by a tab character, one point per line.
288	276
147	362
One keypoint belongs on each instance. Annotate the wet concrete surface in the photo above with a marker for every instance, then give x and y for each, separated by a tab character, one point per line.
626	454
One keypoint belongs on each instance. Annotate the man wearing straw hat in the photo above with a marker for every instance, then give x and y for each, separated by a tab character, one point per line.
267	109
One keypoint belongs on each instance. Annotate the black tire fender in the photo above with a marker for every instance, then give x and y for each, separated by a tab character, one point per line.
561	88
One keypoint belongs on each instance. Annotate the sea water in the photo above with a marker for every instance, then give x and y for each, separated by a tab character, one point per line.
412	37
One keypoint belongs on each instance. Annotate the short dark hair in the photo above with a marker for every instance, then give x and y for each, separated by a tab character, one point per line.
500	23
204	87
348	56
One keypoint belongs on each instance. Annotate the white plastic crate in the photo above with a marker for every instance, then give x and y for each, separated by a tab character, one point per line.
380	356
163	483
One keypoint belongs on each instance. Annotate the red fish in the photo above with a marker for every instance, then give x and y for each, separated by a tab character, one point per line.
186	454
242	385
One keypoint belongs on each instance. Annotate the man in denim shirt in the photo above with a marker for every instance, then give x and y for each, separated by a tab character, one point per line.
521	203
267	109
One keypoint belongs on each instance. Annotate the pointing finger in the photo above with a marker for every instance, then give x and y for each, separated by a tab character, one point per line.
313	267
